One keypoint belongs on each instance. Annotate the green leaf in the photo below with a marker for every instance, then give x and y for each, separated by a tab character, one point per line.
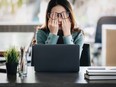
12	55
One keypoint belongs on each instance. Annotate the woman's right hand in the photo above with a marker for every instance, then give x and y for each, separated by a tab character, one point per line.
53	25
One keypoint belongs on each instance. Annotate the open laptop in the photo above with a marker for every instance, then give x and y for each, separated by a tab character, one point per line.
56	58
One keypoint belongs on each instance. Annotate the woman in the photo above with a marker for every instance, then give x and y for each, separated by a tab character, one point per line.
59	27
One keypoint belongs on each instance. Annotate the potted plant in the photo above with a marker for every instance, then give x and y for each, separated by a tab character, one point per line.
12	59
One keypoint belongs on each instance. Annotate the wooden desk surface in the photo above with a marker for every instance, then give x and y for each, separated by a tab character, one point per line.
17	39
35	79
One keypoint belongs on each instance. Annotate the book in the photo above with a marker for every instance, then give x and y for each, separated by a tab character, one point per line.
100	73
102	81
100	77
101	70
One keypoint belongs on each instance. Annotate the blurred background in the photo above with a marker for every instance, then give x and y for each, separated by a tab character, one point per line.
87	13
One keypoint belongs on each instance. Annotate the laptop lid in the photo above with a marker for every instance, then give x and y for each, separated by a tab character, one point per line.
56	58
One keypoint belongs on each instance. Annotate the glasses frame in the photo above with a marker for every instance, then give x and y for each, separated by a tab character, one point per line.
48	15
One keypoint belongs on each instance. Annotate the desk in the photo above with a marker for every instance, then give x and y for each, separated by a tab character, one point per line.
17	39
35	79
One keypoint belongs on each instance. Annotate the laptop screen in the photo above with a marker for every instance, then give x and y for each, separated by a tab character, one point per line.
62	58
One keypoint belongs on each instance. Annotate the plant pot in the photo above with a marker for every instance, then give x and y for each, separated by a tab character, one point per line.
11	68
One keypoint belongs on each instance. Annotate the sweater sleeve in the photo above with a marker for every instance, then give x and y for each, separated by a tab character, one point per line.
68	39
44	38
51	39
80	41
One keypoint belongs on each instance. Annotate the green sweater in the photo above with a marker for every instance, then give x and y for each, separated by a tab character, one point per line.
45	37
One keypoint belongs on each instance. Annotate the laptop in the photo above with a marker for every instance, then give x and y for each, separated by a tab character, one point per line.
55	58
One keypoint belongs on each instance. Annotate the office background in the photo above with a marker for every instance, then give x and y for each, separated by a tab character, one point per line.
87	13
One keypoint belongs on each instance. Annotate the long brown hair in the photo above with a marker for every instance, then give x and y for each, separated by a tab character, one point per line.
67	6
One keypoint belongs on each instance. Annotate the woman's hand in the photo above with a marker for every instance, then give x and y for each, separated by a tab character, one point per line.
53	25
66	26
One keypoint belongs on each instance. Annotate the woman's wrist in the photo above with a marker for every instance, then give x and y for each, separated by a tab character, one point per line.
55	33
67	33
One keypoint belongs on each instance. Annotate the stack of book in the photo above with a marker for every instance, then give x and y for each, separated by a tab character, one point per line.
97	73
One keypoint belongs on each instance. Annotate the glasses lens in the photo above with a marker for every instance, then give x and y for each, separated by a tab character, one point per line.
52	15
65	14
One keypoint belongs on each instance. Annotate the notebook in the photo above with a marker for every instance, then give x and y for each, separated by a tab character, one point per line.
55	58
100	73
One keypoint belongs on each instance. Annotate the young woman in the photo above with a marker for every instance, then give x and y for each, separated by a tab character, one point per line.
59	26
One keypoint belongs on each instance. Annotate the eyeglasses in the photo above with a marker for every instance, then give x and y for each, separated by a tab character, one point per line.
55	15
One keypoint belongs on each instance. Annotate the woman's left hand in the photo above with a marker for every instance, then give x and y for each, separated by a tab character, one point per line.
66	26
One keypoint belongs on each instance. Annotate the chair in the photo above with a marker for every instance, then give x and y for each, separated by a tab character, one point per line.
101	21
85	56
